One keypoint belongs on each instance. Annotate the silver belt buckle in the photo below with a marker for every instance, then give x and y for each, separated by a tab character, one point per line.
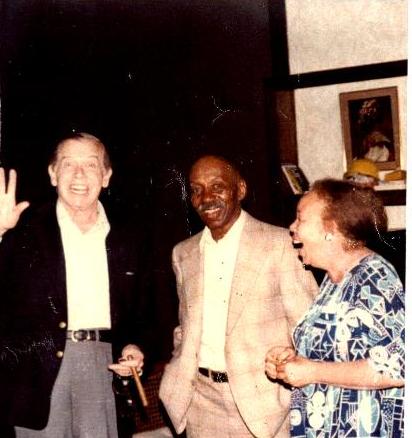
74	339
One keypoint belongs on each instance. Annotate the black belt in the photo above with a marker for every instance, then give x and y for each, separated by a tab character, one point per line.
216	376
90	335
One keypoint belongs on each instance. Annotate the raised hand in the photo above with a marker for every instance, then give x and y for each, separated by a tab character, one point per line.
9	211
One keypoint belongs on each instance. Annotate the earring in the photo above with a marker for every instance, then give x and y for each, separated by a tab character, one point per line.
328	237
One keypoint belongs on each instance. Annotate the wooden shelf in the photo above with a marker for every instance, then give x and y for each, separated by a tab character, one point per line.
392	197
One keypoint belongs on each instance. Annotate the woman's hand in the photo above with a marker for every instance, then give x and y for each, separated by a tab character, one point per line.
296	372
300	371
276	356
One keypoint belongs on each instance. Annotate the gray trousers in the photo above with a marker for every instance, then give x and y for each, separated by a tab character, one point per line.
82	401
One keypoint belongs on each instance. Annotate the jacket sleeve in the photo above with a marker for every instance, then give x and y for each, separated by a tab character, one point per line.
177	332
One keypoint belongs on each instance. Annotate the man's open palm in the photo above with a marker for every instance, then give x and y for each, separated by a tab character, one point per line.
9	211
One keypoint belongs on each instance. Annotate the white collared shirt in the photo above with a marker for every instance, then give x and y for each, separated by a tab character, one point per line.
219	266
87	275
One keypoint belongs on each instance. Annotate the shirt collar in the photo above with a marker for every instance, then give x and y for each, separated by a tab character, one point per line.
64	219
232	235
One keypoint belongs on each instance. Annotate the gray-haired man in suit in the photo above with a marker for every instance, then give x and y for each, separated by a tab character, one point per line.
69	287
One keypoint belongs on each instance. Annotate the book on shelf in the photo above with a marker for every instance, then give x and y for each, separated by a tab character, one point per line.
296	178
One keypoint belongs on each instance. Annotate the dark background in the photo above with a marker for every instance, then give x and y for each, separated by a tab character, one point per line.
159	81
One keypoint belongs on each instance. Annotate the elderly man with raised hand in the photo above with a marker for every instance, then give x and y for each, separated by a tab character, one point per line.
69	288
241	289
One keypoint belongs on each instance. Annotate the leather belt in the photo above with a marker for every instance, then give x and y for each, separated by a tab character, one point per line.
89	335
216	376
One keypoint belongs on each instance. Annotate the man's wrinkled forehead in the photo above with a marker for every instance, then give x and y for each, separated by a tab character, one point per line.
73	148
213	164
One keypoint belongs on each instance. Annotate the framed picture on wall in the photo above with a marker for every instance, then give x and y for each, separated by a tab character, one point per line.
370	125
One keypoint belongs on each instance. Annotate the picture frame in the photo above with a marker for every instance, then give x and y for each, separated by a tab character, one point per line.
370	126
298	183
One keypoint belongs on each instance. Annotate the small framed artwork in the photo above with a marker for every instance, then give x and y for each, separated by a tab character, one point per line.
296	178
370	125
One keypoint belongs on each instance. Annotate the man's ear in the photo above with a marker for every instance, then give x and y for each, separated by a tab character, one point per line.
106	178
52	175
241	189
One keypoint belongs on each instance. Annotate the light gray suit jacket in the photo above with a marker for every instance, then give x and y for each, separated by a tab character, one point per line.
270	292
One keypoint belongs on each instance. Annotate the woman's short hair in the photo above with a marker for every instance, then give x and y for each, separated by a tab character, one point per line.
358	212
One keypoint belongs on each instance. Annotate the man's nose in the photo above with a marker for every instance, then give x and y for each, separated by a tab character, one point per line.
207	196
79	170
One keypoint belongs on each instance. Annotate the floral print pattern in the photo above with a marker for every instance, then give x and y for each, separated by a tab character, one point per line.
362	317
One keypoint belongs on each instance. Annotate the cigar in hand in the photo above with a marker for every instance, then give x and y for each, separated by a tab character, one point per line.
139	385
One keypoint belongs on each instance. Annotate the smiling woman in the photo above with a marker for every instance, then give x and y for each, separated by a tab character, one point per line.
309	232
350	344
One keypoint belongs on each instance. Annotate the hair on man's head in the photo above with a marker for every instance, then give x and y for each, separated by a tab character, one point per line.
81	136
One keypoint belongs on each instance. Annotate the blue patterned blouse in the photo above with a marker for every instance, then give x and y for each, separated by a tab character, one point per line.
362	317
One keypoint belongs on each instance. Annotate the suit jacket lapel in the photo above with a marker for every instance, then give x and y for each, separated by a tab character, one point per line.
248	263
50	244
113	260
193	269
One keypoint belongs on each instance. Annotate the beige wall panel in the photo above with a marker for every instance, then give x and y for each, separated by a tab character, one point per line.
330	34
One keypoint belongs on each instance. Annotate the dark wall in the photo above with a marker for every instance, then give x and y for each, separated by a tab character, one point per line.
159	81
